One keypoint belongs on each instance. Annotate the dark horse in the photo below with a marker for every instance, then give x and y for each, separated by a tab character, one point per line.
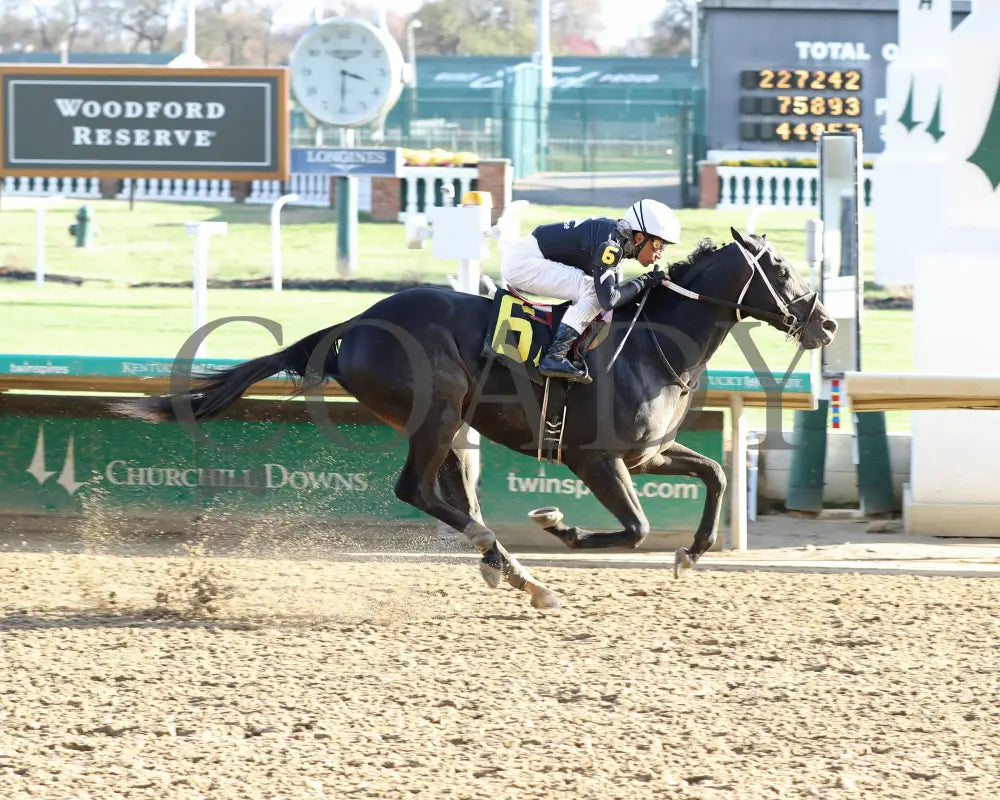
415	360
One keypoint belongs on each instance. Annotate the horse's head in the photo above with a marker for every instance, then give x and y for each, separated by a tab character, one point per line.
775	293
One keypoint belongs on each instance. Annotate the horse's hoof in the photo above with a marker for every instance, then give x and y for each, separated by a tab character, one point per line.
546	517
481	536
542	597
490	574
682	560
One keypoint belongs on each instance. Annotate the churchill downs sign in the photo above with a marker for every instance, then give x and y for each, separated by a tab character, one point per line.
136	122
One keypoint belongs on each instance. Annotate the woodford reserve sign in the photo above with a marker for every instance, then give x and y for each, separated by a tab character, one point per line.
144	122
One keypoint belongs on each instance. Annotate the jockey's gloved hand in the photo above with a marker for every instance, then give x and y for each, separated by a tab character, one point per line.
654	277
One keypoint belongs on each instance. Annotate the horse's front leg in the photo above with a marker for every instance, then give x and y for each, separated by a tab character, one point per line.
676	459
609	481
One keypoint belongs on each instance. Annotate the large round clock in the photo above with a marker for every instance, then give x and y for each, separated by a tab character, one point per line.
346	72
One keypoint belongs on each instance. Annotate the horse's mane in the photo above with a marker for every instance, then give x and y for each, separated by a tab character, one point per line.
678	269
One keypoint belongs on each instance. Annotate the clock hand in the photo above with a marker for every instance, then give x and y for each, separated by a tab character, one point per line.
352	75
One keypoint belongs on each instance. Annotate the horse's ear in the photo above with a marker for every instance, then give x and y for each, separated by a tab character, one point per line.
738	237
763	237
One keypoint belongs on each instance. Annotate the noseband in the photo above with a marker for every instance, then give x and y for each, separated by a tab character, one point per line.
785	319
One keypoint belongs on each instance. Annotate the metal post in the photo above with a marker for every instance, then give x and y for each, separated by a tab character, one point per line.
200	283
814	247
544	82
753	474
40	237
738	475
201	232
40	243
346	199
189	29
695	33
411	86
276	268
683	158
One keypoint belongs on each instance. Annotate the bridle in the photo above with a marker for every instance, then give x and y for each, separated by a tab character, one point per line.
783	318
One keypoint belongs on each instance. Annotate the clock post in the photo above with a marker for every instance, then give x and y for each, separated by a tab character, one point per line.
345	197
347	73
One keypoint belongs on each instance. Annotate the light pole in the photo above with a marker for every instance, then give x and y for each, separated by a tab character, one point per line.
411	83
189	30
695	33
543	56
411	49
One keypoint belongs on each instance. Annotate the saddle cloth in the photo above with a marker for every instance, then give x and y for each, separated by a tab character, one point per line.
519	332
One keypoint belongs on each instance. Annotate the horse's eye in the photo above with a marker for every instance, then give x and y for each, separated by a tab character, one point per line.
783	274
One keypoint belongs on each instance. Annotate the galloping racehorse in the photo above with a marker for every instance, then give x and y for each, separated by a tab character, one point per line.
415	359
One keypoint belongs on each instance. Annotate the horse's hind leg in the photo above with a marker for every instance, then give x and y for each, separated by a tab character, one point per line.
430	446
458	489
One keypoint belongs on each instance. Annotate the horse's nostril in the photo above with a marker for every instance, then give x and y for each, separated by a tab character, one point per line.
830	325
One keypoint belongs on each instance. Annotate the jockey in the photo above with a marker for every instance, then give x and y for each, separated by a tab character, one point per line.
578	261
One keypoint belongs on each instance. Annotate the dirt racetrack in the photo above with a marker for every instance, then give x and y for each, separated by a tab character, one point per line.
143	672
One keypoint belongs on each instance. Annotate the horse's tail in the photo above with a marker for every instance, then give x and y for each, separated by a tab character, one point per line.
214	392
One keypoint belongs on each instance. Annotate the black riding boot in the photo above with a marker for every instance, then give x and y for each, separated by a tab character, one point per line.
555	363
583	345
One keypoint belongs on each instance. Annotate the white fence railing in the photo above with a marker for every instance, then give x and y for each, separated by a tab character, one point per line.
189	190
776	187
421	187
48	187
313	190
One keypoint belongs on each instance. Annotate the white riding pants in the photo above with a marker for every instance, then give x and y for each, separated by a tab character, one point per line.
524	267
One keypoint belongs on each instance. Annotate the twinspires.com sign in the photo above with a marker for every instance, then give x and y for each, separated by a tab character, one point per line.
129	122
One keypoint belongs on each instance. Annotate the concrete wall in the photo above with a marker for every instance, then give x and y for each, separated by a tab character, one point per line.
840	476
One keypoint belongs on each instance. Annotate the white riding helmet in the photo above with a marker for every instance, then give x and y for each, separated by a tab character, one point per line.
654	219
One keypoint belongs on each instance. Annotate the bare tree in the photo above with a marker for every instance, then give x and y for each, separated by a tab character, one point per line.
234	32
671	31
147	23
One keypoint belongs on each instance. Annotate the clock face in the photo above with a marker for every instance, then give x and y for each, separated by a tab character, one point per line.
346	72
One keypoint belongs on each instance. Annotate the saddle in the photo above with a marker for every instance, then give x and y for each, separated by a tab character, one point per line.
518	333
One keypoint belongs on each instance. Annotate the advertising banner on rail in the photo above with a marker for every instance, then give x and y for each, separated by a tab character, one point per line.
75	465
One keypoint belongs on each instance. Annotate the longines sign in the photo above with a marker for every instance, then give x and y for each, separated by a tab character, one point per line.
142	122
